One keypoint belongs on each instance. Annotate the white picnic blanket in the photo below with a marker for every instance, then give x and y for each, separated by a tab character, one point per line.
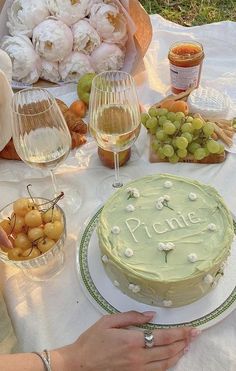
53	313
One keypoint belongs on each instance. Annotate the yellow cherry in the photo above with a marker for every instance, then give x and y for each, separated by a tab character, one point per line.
53	230
17	223
35	233
51	215
31	253
45	245
15	254
33	218
22	241
22	206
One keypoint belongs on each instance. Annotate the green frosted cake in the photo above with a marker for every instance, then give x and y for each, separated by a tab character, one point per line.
164	239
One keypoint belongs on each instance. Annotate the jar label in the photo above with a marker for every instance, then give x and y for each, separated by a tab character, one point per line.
184	77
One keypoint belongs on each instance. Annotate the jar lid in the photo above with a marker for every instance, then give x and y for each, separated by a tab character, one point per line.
186	50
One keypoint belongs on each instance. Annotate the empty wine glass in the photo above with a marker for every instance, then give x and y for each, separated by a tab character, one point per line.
114	119
41	136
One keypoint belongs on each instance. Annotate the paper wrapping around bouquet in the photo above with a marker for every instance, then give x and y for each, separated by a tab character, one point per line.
139	33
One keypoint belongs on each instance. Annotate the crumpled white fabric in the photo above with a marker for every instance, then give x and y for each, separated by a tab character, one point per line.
24	15
26	64
85	37
53	40
50	71
109	22
107	57
68	11
74	66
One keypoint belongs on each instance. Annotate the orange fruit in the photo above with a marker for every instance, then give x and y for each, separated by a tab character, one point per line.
167	104
180	106
79	108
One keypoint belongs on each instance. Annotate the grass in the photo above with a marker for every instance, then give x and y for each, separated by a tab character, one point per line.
192	12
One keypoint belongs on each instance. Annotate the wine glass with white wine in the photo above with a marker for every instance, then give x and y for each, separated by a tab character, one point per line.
42	138
114	120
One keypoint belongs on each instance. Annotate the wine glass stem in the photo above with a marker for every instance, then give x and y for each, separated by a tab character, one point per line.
117	182
54	183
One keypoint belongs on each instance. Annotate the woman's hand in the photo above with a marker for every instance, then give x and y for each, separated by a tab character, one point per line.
109	346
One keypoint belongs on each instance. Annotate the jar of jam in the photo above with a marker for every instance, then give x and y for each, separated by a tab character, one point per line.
185	65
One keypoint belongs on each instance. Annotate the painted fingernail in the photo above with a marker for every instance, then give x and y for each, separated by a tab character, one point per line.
186	350
149	313
195	332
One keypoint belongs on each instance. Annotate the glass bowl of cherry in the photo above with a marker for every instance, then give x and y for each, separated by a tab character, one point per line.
32	236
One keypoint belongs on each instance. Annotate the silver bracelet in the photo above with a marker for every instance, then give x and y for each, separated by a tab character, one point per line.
45	357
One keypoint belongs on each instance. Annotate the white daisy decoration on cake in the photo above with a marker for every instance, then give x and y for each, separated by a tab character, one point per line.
192	196
163	201
211	227
208	279
214	283
169	246
166	248
133	193
116	283
159	205
161	246
168	184
130	208
167	303
105	259
115	229
129	252
192	257
134	288
166	197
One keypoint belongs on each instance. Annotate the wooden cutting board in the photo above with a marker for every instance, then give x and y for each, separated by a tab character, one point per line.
211	159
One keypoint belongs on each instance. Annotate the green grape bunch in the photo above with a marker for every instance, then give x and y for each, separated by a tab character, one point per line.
177	137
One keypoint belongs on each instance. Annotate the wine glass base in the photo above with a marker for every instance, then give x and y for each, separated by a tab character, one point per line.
71	201
108	186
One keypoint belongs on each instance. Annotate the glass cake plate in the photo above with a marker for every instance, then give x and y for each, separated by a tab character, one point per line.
108	299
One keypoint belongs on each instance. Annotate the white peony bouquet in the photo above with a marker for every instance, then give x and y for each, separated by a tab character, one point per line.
59	40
